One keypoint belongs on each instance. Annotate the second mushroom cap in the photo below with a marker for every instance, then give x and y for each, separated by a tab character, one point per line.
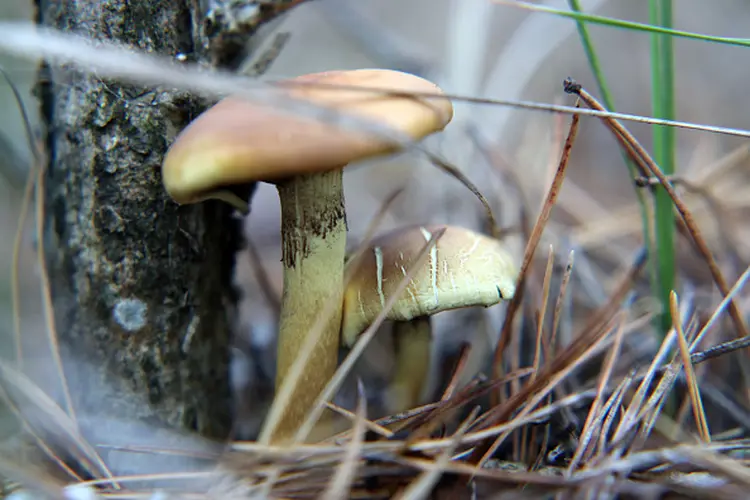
464	269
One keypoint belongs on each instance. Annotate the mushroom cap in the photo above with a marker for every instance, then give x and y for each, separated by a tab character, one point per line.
463	269
238	141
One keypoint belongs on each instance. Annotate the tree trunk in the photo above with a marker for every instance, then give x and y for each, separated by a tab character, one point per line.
142	287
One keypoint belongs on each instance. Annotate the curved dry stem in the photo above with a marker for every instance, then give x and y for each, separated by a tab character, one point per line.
15	280
26	202
641	156
460	177
49	312
531	245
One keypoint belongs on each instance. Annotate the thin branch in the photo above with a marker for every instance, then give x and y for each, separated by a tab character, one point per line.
536	234
695	396
645	159
341	483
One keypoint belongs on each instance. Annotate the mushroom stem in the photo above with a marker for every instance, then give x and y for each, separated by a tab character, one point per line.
412	340
313	237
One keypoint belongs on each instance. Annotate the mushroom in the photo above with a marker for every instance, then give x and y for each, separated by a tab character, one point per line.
464	269
236	142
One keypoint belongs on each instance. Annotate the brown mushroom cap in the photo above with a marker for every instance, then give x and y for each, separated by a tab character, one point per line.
464	269
237	141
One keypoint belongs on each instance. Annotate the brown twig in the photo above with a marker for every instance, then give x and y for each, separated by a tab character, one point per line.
463	358
16	264
372	426
421	487
8	401
720	350
536	234
714	205
613	406
634	411
738	285
25	203
643	158
587	433
559	303
340	485
546	386
541	314
695	397
589	333
460	177
49	314
436	416
34	180
57	419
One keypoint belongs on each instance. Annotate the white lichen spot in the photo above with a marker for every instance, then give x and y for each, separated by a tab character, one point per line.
130	314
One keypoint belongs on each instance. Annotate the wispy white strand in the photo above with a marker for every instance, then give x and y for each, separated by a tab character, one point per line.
116	61
112	60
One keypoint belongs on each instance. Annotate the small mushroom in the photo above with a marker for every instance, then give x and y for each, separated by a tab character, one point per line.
236	142
464	269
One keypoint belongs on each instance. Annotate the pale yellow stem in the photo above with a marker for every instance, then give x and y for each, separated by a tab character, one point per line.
412	341
313	231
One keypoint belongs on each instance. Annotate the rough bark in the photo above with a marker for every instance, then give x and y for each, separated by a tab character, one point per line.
142	288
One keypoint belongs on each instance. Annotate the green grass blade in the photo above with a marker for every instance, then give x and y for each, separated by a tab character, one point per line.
619	23
596	69
588	48
662	91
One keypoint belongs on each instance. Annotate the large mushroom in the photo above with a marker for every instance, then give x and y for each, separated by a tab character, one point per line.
464	269
236	143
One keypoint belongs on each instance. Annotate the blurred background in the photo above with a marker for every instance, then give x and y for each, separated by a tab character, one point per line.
469	47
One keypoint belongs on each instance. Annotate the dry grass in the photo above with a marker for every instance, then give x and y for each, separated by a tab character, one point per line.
609	410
